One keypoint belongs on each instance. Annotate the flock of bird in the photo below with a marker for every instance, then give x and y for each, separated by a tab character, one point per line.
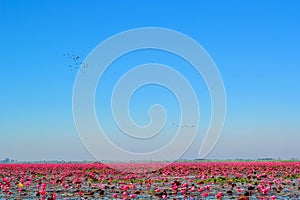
76	63
183	126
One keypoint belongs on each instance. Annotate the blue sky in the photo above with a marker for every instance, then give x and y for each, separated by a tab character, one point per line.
255	45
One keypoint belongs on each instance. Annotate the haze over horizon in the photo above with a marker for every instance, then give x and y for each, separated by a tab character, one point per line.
255	46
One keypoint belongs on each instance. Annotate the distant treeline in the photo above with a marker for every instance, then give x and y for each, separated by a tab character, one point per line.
7	160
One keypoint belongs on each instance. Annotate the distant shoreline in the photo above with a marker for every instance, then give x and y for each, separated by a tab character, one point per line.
147	161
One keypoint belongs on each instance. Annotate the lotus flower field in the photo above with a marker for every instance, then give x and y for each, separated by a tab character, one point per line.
179	180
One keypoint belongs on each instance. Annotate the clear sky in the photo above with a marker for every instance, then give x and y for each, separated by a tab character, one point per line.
255	45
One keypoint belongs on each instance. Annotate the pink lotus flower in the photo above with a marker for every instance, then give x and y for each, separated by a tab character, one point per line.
204	195
42	192
192	189
273	197
201	189
219	195
44	185
115	195
207	187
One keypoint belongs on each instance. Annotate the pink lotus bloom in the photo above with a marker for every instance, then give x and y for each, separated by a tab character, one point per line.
42	192
5	189
115	195
265	190
27	183
102	186
219	195
44	185
204	195
132	186
273	197
201	189
259	186
192	189
208	187
5	179
174	187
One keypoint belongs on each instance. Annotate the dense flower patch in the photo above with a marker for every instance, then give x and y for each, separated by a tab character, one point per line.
190	180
